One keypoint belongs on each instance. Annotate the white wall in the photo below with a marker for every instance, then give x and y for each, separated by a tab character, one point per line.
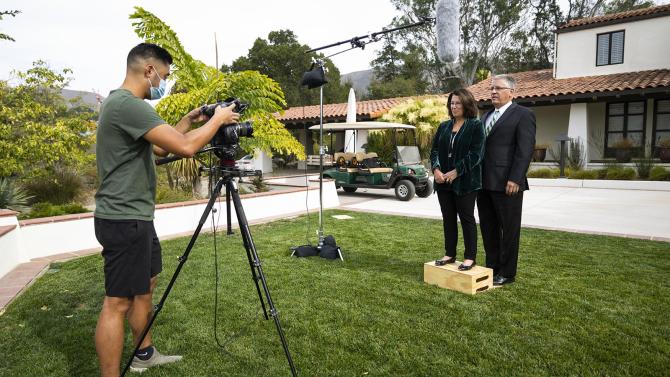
551	122
646	47
578	126
8	243
50	238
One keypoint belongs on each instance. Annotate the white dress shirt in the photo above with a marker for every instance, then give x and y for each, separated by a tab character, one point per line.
500	111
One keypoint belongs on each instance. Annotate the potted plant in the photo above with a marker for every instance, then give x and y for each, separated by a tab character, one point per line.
664	149
623	150
540	152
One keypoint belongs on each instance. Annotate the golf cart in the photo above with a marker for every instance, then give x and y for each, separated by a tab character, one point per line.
354	170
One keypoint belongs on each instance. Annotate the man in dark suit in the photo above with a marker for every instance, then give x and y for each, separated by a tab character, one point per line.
510	140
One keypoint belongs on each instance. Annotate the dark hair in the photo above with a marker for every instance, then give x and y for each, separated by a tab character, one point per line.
467	101
146	51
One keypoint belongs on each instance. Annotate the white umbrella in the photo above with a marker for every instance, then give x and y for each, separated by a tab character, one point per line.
350	135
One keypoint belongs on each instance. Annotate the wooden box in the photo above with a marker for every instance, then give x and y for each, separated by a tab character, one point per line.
478	279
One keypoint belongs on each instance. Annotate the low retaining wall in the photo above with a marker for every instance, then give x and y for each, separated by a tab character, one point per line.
37	238
600	184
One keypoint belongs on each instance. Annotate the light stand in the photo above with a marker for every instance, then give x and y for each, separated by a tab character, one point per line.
316	78
321	153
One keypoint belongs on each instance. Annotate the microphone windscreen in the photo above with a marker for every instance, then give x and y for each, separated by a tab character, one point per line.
447	15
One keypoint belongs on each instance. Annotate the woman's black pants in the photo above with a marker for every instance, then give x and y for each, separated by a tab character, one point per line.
463	206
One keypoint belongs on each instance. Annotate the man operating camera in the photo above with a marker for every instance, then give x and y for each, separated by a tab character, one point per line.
129	133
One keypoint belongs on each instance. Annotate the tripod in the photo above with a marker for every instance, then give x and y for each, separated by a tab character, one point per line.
227	172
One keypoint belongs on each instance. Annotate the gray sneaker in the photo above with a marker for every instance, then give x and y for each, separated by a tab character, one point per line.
138	365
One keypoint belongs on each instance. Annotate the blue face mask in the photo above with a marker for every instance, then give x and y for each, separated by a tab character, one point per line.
159	92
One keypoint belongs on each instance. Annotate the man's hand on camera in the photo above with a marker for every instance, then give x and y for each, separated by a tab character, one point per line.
195	116
226	115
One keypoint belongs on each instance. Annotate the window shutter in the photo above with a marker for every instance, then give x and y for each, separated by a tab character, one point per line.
617	48
603	49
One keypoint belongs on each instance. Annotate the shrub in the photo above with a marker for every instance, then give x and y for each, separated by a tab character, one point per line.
644	166
585	174
659	173
60	188
259	184
575	158
44	209
166	195
543	173
12	196
620	173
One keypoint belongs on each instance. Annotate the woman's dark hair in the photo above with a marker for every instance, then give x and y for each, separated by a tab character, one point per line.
467	101
148	50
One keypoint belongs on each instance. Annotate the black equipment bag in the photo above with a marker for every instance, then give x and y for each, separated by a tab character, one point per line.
329	250
305	251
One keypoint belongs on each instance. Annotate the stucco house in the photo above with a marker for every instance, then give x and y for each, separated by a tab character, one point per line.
610	80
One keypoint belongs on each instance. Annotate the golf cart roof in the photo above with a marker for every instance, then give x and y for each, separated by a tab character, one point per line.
362	126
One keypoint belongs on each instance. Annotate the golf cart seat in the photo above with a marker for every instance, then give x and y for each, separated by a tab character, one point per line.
379	170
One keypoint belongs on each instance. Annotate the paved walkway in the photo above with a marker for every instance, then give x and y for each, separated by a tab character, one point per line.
626	213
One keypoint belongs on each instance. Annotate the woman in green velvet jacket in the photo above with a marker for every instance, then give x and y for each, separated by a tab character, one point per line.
458	148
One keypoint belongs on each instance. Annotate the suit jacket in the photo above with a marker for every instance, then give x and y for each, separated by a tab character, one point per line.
509	149
468	152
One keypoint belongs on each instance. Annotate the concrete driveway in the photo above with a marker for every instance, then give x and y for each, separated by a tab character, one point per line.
641	214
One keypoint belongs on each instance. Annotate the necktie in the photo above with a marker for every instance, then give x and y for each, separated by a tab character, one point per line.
494	118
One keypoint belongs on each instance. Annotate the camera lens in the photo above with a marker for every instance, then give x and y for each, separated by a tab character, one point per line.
245	129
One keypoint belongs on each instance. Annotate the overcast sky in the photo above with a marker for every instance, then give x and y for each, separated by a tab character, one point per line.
93	37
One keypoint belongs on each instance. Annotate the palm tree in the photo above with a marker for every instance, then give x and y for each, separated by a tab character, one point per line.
197	84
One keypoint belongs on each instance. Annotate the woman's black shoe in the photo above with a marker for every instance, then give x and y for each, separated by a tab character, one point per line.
442	262
463	267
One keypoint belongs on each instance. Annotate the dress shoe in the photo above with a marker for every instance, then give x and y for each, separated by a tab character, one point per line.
463	267
442	262
501	280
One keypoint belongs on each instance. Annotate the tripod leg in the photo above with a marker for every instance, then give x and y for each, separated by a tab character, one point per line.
230	188
257	268
230	226
182	260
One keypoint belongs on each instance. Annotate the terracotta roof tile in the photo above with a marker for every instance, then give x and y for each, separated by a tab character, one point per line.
536	84
371	108
613	18
530	84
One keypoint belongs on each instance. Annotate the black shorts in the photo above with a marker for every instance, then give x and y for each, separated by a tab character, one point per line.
132	255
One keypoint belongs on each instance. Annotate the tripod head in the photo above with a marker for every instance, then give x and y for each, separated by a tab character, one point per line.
225	168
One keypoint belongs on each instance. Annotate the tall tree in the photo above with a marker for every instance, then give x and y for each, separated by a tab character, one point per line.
439	76
197	84
484	27
282	58
39	130
398	73
617	6
12	13
532	44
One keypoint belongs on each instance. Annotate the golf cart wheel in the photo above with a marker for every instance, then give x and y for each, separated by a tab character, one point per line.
426	190
350	189
404	190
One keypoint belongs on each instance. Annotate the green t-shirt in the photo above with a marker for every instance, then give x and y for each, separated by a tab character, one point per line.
125	159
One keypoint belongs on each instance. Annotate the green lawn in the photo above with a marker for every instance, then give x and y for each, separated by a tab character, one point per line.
582	305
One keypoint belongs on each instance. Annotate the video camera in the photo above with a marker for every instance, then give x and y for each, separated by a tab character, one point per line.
227	138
